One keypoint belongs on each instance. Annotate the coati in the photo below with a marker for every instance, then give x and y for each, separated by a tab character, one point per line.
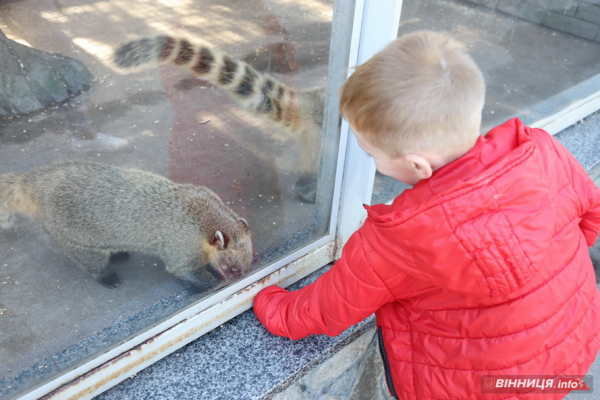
95	210
298	111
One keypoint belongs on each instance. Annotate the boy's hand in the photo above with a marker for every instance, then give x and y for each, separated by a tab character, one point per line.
350	291
266	304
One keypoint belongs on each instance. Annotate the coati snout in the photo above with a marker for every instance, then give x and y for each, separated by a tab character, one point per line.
231	258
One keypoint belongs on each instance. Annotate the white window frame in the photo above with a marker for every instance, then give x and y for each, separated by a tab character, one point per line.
553	115
375	24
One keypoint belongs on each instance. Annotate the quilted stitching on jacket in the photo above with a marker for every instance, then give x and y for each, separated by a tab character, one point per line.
488	273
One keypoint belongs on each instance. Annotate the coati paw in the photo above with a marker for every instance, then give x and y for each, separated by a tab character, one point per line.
306	187
110	280
119	257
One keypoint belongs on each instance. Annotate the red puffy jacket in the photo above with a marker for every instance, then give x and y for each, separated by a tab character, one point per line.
483	269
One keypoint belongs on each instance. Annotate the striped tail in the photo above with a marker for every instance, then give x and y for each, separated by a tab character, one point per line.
257	92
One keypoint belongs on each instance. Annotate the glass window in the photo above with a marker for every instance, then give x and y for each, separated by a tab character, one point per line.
230	96
537	57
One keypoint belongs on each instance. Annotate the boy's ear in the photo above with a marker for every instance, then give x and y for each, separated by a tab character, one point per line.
419	165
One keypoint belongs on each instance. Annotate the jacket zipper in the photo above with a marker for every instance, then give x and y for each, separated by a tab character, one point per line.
386	364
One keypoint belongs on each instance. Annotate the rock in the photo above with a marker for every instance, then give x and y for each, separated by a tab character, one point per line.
31	80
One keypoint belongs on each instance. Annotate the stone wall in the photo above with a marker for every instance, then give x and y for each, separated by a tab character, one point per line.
577	17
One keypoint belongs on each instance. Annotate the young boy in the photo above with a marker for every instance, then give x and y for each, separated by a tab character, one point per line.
482	268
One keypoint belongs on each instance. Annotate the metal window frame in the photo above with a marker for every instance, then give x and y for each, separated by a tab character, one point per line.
561	111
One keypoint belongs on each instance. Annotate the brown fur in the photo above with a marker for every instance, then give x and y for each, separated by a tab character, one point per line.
95	211
15	198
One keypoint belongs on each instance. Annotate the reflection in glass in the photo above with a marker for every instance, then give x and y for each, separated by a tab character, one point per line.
536	57
159	118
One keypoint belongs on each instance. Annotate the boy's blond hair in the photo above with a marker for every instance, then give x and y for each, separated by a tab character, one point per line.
422	92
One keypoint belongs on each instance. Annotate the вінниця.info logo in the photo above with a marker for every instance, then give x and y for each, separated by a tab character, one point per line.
536	383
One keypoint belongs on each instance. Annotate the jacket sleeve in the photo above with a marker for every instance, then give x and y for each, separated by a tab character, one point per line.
588	193
343	296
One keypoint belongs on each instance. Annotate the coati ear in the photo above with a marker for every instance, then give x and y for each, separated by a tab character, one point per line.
219	240
245	222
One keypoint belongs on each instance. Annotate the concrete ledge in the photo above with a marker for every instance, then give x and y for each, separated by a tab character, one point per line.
239	360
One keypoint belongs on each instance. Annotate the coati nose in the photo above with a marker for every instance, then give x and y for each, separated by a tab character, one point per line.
236	272
232	272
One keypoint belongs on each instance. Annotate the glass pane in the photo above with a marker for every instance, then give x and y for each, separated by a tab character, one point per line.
537	57
223	101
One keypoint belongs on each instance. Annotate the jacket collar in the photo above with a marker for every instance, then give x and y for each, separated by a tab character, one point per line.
455	230
487	157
